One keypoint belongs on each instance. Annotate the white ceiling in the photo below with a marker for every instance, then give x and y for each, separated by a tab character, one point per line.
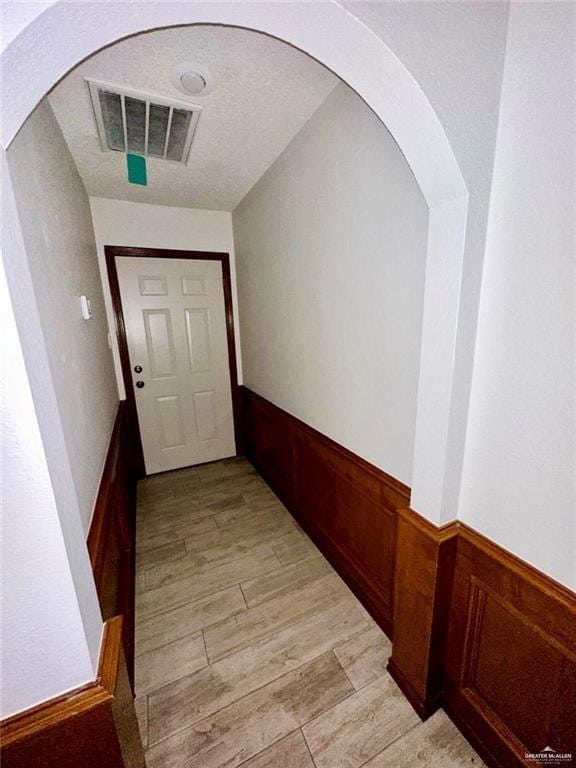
264	92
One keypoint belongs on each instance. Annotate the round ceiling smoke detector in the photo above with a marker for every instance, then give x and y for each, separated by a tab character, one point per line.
193	82
192	79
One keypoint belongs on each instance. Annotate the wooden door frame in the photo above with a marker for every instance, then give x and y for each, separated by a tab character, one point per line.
111	252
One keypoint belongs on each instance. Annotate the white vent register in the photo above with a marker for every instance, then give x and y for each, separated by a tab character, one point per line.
129	121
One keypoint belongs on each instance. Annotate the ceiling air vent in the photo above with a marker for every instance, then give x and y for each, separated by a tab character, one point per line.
141	124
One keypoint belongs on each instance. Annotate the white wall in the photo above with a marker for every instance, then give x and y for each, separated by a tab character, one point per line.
55	216
331	247
44	649
455	50
16	15
50	624
118	222
519	473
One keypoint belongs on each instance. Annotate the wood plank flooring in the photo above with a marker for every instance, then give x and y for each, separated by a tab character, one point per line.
251	651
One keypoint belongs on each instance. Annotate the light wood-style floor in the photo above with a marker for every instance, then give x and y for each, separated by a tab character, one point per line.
251	651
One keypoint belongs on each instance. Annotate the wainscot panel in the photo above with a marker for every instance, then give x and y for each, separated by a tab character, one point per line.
111	539
423	586
346	505
510	668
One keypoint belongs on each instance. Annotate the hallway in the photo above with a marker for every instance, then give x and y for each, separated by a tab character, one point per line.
250	650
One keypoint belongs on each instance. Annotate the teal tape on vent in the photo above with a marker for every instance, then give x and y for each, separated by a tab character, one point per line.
136	169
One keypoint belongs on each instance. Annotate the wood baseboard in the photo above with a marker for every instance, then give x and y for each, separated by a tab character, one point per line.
346	505
73	703
111	538
475	629
424	707
80	728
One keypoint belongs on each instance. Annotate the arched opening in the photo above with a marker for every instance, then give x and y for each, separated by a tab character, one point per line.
495	373
399	103
368	66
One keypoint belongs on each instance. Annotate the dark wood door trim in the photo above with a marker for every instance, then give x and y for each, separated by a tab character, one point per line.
111	252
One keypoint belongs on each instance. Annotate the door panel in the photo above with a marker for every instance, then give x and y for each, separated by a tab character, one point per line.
176	330
153	285
170	422
198	336
159	343
193	286
205	415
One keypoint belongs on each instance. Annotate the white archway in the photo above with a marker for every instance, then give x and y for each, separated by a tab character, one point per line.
64	33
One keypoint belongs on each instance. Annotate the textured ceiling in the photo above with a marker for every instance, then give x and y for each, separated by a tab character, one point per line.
264	92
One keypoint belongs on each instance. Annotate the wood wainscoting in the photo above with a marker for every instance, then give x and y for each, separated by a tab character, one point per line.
347	506
510	664
111	539
425	558
474	629
90	727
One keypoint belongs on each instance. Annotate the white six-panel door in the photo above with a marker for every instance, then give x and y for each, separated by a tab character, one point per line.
175	321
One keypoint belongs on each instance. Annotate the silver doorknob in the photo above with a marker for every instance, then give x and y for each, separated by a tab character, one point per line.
139	384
